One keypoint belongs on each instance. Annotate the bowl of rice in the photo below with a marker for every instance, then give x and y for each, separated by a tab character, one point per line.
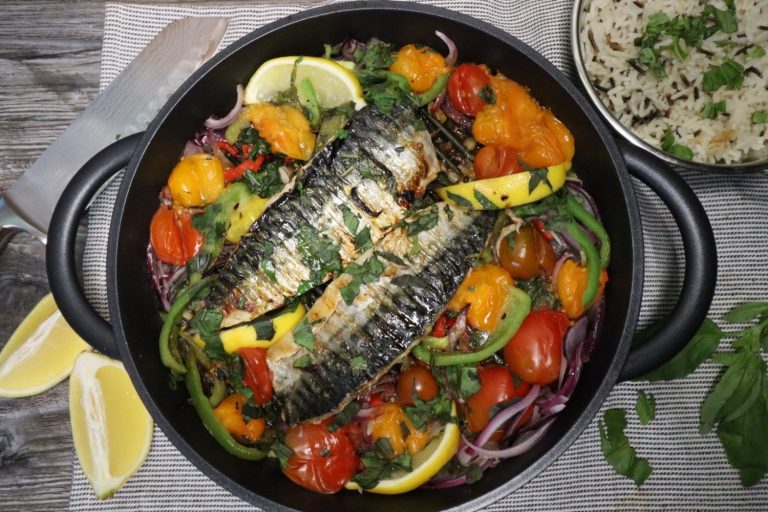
685	80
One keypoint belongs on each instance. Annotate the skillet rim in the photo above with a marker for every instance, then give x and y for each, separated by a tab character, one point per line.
611	375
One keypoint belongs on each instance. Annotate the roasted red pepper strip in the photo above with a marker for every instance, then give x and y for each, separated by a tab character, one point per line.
539	225
226	146
235	173
439	329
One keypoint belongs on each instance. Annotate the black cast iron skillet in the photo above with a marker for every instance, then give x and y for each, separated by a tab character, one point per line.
132	337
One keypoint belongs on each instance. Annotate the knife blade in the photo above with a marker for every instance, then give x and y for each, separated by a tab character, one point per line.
124	107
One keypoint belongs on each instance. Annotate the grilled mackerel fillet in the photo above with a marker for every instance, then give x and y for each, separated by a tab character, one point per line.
349	339
346	198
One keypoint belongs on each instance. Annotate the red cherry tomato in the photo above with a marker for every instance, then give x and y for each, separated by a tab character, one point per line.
497	386
417	381
173	237
257	376
496	160
530	255
465	87
534	352
322	461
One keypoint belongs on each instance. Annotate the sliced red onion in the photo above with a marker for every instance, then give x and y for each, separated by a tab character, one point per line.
223	122
446	484
521	446
575	337
596	315
466	454
458	328
154	274
453	52
559	265
191	148
438	102
454	115
588	202
348	47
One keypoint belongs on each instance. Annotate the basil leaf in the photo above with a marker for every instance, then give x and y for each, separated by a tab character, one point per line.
755	52
760	117
617	450
302	362
350	219
267	181
725	389
426	219
460	201
283	453
645	406
712	109
703	344
366	273
729	74
538	176
363	240
302	335
345	416
746	312
484	201
743	439
358	364
681	151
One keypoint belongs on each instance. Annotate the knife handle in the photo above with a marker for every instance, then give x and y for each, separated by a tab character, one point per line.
60	251
11	224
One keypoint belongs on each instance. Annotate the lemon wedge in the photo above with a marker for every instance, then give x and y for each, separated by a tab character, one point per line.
334	83
111	428
40	353
426	464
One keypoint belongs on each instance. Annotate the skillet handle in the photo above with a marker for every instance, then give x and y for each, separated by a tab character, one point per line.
700	263
60	251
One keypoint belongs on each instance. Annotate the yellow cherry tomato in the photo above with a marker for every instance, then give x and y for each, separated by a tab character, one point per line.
285	128
420	66
388	422
197	180
230	414
485	290
571	282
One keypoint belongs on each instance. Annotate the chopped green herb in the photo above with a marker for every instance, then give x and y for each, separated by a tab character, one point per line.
617	450
645	407
267	181
755	52
319	253
466	203
648	57
345	416
484	201
283	453
350	219
448	211
760	117
729	74
397	260
366	273
302	361
266	261
363	240
426	219
678	150
539	175
302	335
712	109
249	136
422	413
464	380
378	465
415	247
488	95
358	364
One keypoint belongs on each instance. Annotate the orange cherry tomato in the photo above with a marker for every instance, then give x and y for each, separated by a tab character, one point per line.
322	461
467	88
496	160
571	282
230	414
388	421
535	351
285	128
257	376
517	120
496	386
416	381
420	66
197	180
485	290
173	237
530	254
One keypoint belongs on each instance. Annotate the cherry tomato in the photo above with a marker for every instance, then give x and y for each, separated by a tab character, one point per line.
391	422
257	376
420	66
465	88
322	461
285	128
497	386
530	255
485	290
173	237
496	160
570	285
535	351
197	180
417	381
230	414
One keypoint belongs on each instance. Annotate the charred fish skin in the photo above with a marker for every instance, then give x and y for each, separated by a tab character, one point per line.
348	341
345	199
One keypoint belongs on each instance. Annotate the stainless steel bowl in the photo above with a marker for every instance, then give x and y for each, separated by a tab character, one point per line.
580	8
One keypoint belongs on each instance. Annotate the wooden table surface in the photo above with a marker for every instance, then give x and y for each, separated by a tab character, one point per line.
50	54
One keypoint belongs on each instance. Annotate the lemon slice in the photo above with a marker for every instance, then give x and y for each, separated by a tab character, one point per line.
111	428
334	84
40	353
426	464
